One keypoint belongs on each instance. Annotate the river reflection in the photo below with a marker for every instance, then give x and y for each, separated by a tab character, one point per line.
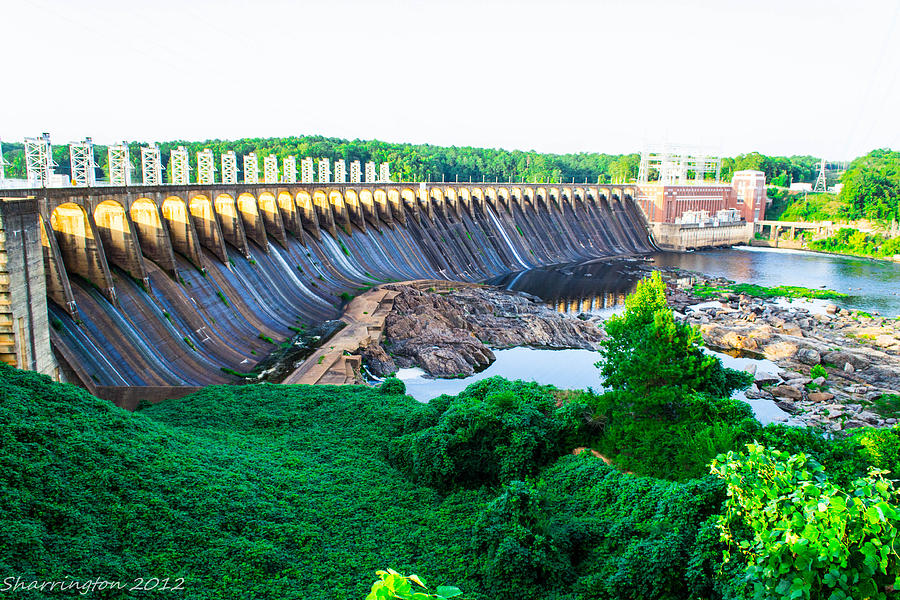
589	288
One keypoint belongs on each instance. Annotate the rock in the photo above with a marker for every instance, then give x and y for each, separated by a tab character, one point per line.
787	407
848	368
891	421
831	309
854	424
819	381
452	334
788	375
798	382
751	369
820	396
809	356
786	391
791	328
378	361
766	378
873	395
885	341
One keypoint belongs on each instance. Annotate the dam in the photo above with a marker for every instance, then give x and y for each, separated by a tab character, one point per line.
189	285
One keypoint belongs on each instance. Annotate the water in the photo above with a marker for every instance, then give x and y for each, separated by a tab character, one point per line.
601	287
872	285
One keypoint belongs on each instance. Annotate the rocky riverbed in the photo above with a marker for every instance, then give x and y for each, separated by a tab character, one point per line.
859	353
450	334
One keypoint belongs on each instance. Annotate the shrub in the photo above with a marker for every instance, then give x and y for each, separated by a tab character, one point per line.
804	537
393	386
818	371
494	431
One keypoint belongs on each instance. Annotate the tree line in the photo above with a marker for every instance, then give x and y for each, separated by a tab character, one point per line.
426	162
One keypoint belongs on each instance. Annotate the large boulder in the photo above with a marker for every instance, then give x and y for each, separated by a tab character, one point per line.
808	356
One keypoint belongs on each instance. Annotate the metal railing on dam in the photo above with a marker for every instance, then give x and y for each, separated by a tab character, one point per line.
187	285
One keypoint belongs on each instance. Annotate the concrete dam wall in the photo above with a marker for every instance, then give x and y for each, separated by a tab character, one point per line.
179	287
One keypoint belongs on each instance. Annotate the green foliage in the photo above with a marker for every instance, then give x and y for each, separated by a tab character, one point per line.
265	338
888	405
222	297
588	528
345	297
392	385
872	186
818	371
392	585
802	206
257	491
667	412
850	241
492	432
648	351
288	492
761	291
801	535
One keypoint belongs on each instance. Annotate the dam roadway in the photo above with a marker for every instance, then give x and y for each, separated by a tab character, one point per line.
185	285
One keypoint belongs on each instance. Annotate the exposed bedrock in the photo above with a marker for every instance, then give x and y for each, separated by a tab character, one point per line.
856	356
219	306
451	333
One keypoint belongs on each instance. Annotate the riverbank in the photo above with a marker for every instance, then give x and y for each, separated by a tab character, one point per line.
840	368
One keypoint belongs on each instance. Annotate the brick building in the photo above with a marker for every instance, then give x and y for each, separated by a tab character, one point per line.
746	193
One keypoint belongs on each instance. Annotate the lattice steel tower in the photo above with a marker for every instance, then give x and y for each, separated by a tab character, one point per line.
81	163
229	168
151	165
324	170
118	160
206	167
39	160
179	166
251	168
306	170
270	169
340	171
821	181
289	168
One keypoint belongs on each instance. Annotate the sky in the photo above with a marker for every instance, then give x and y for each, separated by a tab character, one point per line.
816	77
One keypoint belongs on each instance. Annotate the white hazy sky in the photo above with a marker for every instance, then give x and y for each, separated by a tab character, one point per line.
813	77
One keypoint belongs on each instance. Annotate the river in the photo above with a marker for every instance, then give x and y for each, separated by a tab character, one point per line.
601	287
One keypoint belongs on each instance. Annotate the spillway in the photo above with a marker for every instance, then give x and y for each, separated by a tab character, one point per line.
220	309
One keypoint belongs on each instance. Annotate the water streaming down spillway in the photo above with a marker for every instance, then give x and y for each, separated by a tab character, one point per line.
190	329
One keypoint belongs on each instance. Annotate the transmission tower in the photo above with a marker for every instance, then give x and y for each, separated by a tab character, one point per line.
179	166
229	168
270	169
821	182
206	167
151	165
81	161
251	168
371	177
119	163
306	170
384	173
324	170
289	168
39	160
340	171
355	173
